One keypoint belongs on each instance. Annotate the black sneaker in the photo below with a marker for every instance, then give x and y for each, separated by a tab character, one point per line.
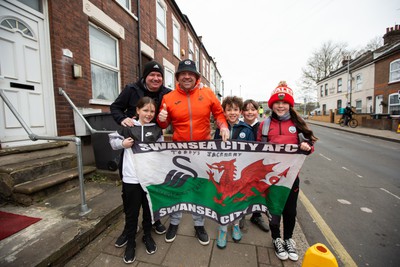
202	235
280	251
242	222
259	221
121	240
171	233
151	246
159	228
290	247
129	256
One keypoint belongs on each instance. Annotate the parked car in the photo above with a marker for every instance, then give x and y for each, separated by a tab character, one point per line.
316	111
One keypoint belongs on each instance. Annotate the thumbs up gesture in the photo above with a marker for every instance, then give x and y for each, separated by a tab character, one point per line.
162	116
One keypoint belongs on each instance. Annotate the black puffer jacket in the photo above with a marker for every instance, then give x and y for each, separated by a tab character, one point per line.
125	104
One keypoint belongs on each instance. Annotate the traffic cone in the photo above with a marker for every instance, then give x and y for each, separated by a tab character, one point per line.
319	255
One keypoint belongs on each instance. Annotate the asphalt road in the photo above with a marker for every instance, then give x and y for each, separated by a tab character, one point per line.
353	182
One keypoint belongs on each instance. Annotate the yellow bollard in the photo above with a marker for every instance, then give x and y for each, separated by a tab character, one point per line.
319	255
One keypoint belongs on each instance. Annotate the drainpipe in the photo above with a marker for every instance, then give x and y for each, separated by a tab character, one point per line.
139	38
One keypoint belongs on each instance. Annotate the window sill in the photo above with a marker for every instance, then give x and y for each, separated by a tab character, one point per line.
100	102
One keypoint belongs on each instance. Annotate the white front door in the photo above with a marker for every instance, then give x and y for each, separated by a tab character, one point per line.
369	105
25	74
378	104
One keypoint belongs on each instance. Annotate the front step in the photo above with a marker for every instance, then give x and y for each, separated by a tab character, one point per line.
38	167
34	191
29	174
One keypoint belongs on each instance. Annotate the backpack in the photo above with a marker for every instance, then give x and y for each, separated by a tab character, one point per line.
265	130
237	131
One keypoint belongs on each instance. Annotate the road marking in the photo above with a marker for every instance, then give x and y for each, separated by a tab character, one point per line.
390	193
344	168
343	255
344	201
365	209
324	156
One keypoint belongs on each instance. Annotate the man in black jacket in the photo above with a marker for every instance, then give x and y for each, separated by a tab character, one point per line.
151	85
124	108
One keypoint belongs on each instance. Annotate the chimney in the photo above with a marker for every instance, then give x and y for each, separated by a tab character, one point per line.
392	35
346	59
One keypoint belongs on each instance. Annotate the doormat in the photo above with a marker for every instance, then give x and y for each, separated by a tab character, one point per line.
12	223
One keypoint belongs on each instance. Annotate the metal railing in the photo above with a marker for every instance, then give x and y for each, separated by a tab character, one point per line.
34	137
92	131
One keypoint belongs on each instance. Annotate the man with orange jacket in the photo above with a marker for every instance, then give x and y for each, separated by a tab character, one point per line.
188	109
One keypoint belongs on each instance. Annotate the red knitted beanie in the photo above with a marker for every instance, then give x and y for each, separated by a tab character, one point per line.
281	93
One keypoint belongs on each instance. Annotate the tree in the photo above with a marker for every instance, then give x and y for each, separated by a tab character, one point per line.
321	63
372	45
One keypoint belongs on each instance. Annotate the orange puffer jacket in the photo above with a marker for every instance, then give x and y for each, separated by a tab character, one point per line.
190	113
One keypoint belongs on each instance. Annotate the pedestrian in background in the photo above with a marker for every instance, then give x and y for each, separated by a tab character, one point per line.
285	126
123	109
134	195
187	109
232	106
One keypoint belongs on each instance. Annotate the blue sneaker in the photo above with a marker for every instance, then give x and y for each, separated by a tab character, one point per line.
221	238
236	233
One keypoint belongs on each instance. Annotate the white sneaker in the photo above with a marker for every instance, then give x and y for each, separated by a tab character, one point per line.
280	251
290	247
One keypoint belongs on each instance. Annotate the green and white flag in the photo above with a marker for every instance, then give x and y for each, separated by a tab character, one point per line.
220	180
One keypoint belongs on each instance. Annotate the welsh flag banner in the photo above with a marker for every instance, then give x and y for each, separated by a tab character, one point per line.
220	180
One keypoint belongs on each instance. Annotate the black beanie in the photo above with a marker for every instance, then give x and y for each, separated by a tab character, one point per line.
152	66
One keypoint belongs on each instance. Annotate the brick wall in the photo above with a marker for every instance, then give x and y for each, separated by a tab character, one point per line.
69	29
382	86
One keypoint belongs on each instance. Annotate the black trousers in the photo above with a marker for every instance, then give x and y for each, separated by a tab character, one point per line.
289	215
134	197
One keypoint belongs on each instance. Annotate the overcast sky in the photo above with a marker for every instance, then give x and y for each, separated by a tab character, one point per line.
257	43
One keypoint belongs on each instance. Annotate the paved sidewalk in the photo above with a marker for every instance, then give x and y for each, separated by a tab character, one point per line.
255	248
62	233
381	134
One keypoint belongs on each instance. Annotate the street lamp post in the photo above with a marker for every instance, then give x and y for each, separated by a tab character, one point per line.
349	89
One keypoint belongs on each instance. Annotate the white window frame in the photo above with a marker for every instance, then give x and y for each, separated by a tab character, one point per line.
125	4
394	103
358	106
339	104
176	36
197	57
203	69
108	97
394	71
161	21
169	79
358	82
212	74
208	70
190	47
326	89
339	85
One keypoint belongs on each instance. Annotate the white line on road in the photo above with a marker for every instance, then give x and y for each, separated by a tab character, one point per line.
324	156
390	193
344	168
327	232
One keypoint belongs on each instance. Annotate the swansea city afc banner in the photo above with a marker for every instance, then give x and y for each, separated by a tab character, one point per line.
221	180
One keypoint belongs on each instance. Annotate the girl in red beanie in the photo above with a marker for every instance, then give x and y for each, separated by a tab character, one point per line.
285	126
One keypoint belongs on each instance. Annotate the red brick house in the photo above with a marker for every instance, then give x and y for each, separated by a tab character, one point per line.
387	73
90	49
